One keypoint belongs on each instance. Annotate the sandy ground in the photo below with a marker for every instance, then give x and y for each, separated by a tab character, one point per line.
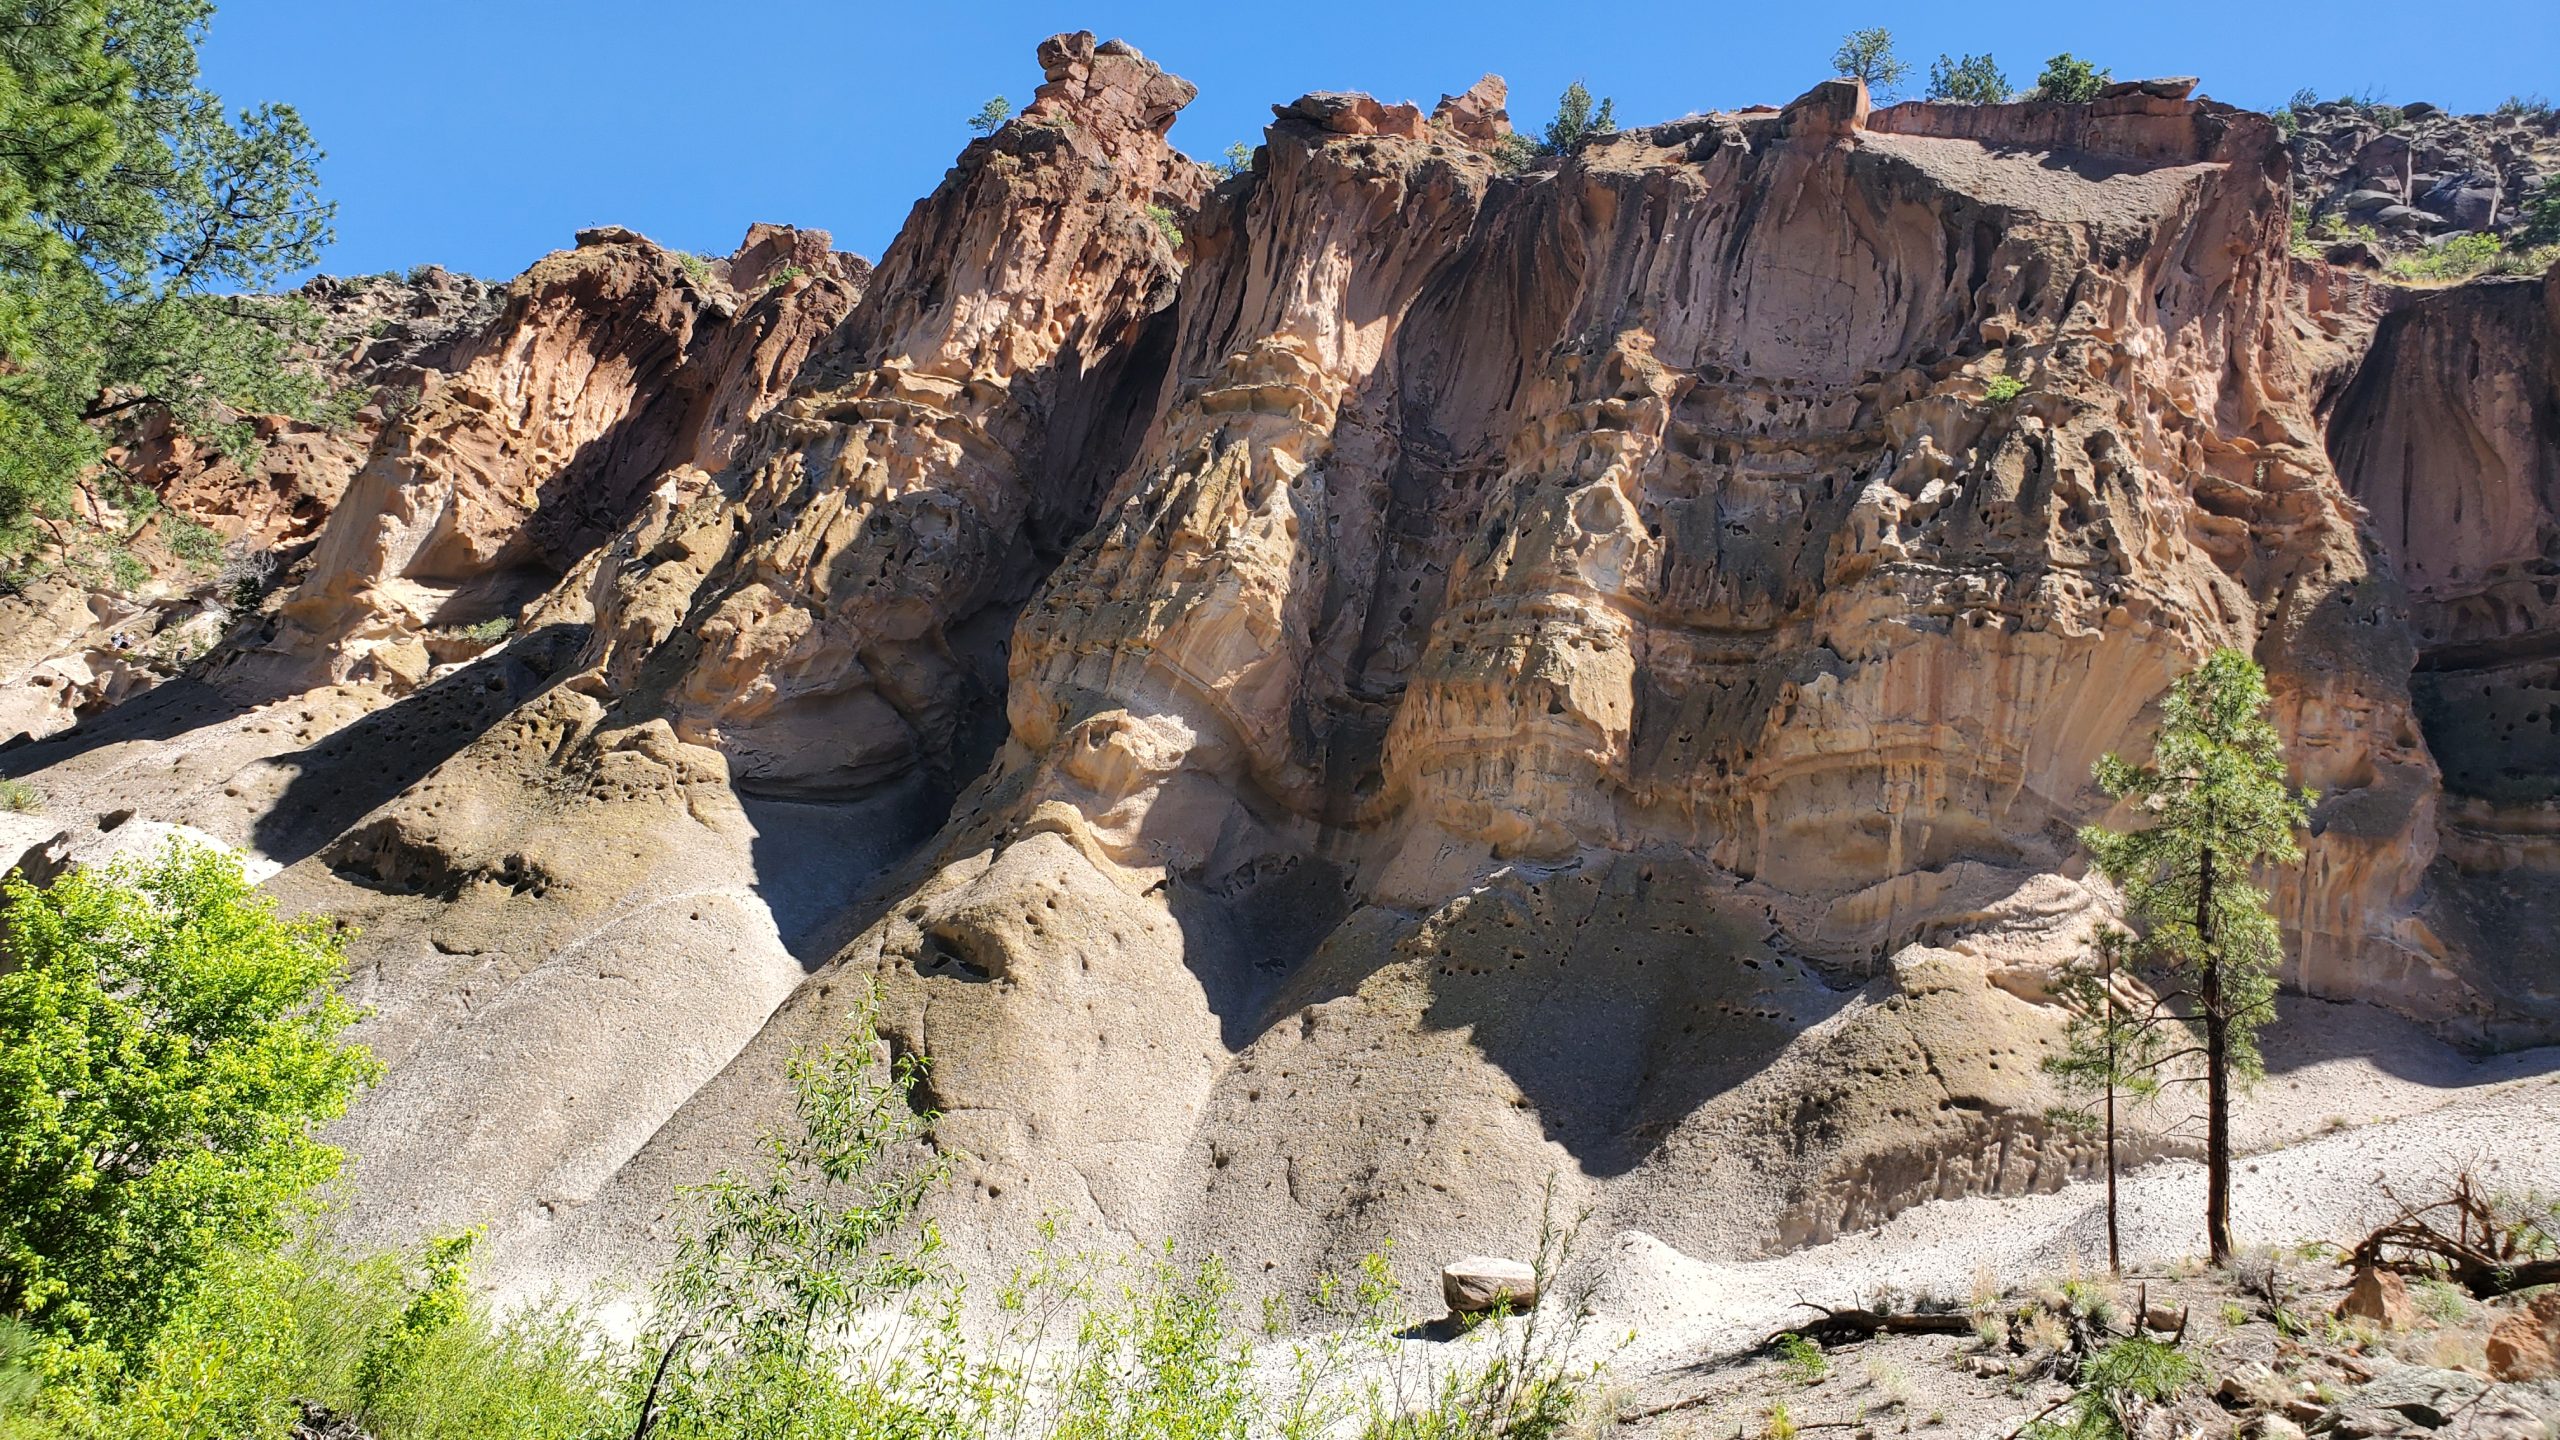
2383	1106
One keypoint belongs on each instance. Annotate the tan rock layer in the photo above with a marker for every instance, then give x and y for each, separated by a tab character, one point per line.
1326	702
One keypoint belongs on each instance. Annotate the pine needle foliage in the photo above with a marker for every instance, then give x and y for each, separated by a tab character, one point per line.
2220	809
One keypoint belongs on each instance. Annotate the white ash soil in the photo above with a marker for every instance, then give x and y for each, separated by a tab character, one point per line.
2321	1139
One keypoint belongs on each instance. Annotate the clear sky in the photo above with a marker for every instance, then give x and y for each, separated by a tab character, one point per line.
479	134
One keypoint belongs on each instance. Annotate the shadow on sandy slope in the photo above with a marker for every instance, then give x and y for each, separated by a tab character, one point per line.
338	780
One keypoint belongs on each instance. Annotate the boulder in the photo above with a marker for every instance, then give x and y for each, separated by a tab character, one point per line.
1480	1282
2381	1297
1476	114
2526	1344
2469	199
1830	110
2166	87
1346	113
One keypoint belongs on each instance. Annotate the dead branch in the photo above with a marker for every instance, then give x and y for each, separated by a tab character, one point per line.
1838	1327
2463	1239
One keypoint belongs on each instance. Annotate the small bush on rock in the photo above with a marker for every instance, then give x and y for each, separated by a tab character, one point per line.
2069	79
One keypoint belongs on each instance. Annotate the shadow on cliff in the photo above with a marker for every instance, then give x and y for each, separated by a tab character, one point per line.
2309	1031
340	779
818	860
171	709
1617	996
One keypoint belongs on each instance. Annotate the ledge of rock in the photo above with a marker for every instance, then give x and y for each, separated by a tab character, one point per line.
1481	1282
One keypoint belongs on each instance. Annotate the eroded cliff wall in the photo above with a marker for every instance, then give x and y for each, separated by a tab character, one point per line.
1329	698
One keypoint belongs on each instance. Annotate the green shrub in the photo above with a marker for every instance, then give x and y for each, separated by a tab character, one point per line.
489	631
1576	120
2133	1371
2001	389
1973	80
19	798
1867	55
2459	258
1237	159
169	1047
126	571
1803	1360
991	116
2542	215
1165	222
2070	80
195	544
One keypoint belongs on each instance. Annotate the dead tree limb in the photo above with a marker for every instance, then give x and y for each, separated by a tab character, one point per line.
2463	1239
1838	1327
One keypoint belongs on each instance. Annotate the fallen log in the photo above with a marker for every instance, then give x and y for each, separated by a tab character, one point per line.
1837	1327
2463	1239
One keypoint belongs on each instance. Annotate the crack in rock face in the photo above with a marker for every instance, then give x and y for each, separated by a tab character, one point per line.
1329	699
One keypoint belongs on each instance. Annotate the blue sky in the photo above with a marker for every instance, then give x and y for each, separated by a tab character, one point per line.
479	134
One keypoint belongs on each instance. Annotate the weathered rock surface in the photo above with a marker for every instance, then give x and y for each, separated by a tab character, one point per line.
2450	438
71	646
2380	1297
2416	172
1329	701
2525	1345
1481	1282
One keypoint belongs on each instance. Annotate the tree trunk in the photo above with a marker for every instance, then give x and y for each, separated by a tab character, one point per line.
2107	980
2217	1073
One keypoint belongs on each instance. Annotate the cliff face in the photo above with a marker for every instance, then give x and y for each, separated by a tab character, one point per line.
1324	699
2450	436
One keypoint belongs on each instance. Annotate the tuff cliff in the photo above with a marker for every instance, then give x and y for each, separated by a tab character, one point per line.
1324	698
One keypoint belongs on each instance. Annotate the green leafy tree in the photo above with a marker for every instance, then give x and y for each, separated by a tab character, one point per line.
2542	215
1237	159
2111	1049
435	1302
1578	120
782	1259
2070	80
1972	80
2219	807
1868	55
169	1047
991	116
133	207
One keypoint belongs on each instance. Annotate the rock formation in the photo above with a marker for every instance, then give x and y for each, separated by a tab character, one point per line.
1330	701
2414	174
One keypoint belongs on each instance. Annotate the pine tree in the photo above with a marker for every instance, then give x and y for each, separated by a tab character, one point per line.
2113	1047
1972	80
2220	808
135	215
2069	79
1867	55
1576	120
